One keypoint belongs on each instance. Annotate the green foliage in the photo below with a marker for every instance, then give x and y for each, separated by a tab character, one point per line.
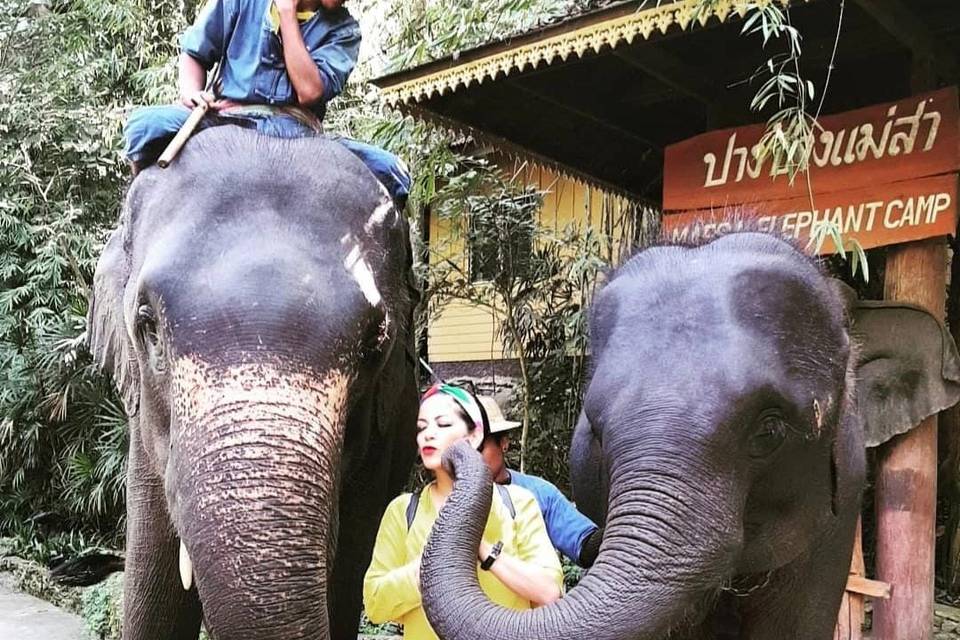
541	280
430	30
571	573
33	578
790	133
554	331
386	629
68	70
34	542
102	608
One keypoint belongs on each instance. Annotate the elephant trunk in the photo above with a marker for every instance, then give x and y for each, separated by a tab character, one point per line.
644	584
255	473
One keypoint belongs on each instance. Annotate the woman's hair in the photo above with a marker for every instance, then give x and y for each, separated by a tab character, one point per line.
468	407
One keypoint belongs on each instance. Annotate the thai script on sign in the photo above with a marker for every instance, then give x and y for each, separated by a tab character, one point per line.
897	135
881	175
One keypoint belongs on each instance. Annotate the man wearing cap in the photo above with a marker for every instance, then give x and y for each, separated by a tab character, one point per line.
571	532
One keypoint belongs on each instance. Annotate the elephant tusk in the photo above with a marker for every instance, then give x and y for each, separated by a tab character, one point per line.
357	265
186	567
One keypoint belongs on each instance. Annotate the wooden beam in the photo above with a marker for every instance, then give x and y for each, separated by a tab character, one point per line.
584	115
526	152
912	32
671	71
872	588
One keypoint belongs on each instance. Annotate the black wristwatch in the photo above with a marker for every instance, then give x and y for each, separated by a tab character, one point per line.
494	554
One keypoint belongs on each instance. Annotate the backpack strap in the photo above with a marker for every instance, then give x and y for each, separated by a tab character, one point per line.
507	500
412	508
504	495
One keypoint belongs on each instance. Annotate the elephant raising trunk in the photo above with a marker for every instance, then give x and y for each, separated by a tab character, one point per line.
599	607
719	444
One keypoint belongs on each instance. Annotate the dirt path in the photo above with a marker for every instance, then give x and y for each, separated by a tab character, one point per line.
24	617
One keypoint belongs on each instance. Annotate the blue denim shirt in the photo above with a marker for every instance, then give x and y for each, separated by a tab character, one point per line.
253	70
566	526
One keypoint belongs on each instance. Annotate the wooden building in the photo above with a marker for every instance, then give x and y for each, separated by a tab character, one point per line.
464	337
592	104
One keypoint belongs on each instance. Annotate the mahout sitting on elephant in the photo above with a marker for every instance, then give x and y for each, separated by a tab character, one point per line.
721	443
254	307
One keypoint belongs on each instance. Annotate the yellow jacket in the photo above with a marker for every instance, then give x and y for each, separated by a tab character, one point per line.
391	589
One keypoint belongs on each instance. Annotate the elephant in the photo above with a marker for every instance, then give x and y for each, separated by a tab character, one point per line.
255	309
721	443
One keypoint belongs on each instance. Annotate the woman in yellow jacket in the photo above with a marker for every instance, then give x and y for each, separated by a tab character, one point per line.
519	567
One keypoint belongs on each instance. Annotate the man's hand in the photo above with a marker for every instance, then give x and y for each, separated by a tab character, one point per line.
190	79
301	69
286	6
196	98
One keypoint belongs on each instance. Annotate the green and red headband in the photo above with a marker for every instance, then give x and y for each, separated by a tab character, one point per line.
463	398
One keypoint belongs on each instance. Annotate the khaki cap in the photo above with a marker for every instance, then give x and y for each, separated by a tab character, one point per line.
498	422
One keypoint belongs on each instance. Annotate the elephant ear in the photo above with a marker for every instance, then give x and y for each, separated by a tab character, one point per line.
588	475
399	374
107	335
907	369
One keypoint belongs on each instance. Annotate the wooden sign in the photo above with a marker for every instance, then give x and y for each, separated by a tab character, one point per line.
884	174
876	216
911	138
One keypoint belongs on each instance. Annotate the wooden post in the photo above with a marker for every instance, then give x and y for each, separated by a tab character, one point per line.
949	445
850	619
906	486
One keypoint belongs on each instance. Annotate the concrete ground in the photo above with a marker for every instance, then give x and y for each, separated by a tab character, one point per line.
24	617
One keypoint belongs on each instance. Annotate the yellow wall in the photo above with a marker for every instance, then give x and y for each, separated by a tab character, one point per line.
462	332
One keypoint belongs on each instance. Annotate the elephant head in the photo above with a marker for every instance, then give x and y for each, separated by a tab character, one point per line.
255	311
720	443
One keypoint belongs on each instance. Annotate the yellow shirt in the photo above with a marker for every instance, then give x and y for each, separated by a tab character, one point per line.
391	588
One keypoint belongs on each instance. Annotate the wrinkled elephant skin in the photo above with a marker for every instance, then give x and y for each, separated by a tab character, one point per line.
254	308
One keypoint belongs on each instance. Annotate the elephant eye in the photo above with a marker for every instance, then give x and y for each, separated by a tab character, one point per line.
768	438
147	327
147	324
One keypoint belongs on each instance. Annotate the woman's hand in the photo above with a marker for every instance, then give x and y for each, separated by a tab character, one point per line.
484	551
526	579
415	567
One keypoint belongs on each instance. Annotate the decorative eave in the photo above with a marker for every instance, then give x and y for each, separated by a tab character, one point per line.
601	95
556	42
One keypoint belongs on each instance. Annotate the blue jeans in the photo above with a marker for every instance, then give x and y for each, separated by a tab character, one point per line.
149	129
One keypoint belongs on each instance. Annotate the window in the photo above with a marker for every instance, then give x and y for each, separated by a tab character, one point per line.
501	238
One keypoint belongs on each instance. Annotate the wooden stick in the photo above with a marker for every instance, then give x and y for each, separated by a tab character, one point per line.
872	588
181	138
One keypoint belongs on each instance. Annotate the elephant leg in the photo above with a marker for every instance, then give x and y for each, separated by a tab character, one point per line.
358	527
155	604
364	495
802	601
